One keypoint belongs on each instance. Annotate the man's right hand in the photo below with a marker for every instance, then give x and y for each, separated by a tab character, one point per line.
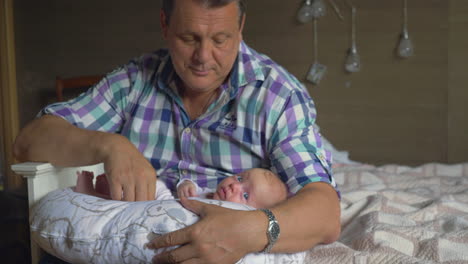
131	177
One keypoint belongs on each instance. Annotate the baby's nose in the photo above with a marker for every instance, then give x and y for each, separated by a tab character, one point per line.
236	187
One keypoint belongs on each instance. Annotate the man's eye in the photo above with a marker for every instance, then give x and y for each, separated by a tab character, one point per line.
219	41
246	196
239	178
188	39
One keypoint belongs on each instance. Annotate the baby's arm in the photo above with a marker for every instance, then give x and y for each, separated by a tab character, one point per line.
186	188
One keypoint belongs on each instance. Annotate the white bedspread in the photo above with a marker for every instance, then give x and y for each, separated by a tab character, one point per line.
396	214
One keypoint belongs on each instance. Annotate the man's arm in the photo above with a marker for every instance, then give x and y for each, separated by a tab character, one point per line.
309	218
223	235
52	139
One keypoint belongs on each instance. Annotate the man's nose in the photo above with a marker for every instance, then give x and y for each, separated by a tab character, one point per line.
203	52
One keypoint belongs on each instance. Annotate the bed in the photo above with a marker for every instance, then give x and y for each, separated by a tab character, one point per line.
390	214
80	228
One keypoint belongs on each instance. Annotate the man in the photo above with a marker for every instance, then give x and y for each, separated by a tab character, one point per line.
208	108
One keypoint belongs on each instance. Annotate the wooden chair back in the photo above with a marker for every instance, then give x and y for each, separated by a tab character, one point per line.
79	83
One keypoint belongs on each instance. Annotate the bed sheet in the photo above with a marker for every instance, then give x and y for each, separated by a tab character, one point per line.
399	214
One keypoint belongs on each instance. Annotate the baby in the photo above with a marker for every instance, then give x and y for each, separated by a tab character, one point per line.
259	188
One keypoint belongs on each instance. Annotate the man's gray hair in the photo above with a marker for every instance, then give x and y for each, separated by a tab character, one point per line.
168	6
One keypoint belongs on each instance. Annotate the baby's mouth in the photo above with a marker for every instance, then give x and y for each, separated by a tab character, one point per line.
222	193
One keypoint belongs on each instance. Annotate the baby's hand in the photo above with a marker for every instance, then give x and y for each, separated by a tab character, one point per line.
187	189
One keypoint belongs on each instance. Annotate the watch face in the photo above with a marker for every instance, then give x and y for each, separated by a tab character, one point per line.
274	231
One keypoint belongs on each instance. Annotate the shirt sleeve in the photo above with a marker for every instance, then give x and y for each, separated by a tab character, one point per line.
296	150
104	106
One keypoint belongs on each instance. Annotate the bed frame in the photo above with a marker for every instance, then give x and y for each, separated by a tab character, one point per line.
43	178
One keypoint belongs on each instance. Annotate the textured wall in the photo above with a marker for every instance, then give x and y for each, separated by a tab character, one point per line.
67	38
458	87
393	111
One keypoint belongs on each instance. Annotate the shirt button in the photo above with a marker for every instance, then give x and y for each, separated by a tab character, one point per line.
321	157
184	172
187	130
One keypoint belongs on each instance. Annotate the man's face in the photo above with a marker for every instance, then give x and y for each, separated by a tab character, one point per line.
203	43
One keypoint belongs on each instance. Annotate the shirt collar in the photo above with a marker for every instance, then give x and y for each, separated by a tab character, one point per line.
248	66
246	69
166	76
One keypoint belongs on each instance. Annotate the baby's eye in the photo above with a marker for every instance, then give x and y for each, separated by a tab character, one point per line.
239	178
246	196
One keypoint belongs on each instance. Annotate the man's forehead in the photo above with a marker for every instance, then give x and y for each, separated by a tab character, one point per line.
197	16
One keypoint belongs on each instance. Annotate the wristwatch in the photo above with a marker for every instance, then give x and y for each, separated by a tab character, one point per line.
273	231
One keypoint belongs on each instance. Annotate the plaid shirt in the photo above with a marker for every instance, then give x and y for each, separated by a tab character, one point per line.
263	118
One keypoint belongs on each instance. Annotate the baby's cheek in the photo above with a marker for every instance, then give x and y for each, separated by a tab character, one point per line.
235	199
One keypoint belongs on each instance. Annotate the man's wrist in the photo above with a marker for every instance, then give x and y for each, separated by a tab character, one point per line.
259	222
105	144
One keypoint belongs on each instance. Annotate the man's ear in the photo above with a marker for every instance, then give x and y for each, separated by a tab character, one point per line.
164	25
242	25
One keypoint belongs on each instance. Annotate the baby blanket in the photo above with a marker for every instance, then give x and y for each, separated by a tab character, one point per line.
79	228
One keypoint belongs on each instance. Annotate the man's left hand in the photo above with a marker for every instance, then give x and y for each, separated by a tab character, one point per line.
220	236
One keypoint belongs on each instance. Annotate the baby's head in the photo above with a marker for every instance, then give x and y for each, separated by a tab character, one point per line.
258	188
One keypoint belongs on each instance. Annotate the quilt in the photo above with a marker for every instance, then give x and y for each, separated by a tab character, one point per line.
400	214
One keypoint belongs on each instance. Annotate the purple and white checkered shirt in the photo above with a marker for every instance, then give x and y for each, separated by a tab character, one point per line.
263	118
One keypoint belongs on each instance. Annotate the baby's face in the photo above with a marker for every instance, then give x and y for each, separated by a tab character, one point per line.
258	188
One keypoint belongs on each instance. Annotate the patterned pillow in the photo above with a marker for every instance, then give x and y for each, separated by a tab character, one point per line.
79	228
